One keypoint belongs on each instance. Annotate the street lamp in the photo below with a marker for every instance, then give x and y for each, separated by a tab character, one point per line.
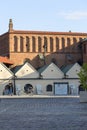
14	91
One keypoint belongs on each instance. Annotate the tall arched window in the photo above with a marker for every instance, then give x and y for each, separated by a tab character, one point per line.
33	44
74	43
57	44
74	40
15	44
51	44
63	44
68	44
39	44
21	44
27	44
46	43
80	39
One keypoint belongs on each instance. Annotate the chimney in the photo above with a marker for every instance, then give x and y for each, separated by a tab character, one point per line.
10	25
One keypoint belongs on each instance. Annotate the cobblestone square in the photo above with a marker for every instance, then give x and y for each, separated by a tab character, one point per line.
43	114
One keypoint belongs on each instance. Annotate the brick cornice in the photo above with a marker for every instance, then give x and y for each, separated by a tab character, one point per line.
47	33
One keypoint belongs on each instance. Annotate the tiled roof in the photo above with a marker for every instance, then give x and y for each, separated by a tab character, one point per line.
5	60
47	32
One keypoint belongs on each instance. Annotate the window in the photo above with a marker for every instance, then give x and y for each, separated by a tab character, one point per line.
21	44
45	43
28	88
51	44
49	87
27	44
63	44
15	44
39	44
33	45
74	44
57	44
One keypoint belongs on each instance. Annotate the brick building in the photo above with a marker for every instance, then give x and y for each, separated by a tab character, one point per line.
41	47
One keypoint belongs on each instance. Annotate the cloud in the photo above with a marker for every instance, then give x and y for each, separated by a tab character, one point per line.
74	15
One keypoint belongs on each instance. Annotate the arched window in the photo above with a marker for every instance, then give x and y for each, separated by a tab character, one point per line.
80	39
74	40
46	43
74	43
51	44
39	44
57	44
28	88
63	44
68	44
21	44
15	44
49	87
33	44
27	44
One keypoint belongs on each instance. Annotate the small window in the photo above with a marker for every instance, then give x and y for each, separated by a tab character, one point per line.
49	88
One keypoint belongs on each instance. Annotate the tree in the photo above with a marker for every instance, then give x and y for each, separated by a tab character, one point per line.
83	76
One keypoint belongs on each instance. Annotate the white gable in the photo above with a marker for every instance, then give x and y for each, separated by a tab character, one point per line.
52	71
27	71
5	72
73	72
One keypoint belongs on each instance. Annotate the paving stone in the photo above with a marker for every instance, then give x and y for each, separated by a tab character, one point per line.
43	114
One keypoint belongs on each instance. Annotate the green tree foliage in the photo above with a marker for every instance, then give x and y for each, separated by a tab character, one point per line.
83	76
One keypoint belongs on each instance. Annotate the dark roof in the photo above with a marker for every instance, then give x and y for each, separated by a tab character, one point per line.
42	68
16	68
66	68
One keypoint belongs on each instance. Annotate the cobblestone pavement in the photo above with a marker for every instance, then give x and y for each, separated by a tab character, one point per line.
43	114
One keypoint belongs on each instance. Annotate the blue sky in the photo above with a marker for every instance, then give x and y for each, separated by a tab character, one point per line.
44	15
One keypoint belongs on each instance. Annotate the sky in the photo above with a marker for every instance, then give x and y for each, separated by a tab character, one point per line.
44	15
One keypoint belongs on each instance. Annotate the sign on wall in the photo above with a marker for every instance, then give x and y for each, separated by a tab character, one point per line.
61	88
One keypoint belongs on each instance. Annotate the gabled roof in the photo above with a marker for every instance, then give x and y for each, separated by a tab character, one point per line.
71	71
5	72
51	71
5	60
25	70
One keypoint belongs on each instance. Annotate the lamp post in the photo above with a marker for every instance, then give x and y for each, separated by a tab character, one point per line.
14	84
45	49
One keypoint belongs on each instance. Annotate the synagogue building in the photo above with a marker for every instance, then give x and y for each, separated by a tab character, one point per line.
42	47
